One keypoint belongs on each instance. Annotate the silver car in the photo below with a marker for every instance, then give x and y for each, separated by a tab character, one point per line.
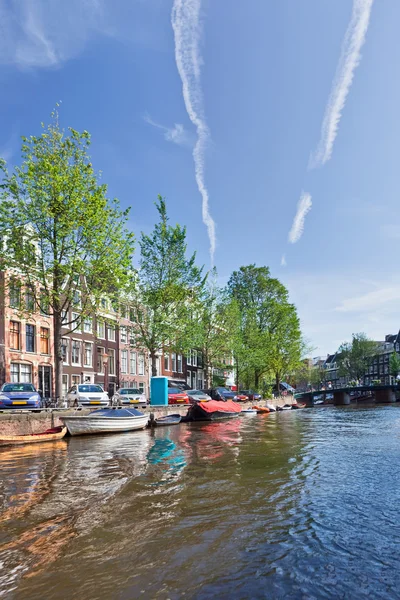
132	396
198	396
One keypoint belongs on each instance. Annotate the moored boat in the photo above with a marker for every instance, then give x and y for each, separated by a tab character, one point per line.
284	407
107	420
248	411
214	410
168	420
261	410
55	433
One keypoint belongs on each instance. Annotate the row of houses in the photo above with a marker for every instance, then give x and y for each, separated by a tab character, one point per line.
378	370
99	350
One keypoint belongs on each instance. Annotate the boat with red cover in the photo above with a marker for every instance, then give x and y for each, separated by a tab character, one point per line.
214	410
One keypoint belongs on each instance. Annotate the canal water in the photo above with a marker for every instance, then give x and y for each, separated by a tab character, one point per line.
300	504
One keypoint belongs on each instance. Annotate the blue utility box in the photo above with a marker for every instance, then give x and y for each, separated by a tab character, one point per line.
159	391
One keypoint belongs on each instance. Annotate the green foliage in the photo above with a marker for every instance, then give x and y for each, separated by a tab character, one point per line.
394	365
163	293
60	231
270	338
356	356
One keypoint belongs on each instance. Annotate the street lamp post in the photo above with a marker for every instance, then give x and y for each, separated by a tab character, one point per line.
105	358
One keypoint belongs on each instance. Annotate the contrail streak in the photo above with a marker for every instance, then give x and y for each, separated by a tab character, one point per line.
186	25
349	60
303	207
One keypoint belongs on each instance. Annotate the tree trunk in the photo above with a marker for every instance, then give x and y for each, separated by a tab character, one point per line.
278	383
153	360
207	383
256	379
58	359
237	374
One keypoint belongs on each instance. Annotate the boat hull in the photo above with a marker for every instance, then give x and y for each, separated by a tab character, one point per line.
214	411
168	420
11	440
78	425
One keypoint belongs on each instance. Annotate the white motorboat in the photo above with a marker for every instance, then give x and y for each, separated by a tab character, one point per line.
107	420
248	411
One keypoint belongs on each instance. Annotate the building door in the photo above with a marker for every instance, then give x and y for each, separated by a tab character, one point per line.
45	381
193	380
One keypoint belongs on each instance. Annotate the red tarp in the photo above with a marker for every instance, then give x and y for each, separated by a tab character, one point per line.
217	405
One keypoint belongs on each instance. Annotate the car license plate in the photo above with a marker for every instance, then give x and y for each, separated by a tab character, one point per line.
19	402
134	401
94	402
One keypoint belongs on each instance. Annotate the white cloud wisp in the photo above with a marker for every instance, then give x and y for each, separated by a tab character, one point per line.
176	134
40	34
283	261
303	207
349	60
186	26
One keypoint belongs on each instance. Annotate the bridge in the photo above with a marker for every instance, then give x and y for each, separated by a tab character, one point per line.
383	394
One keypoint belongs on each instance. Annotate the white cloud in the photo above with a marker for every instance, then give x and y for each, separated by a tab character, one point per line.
348	62
303	207
371	301
283	261
186	26
176	134
46	33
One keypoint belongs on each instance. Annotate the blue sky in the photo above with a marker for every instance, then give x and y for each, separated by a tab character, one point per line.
267	71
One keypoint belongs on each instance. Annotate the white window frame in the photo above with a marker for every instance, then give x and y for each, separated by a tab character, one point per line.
123	334
111	333
173	362
98	356
124	362
166	362
75	320
111	361
179	363
88	325
66	362
141	364
85	346
133	362
79	345
101	330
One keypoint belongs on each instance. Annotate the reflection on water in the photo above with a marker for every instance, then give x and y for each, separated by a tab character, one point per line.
300	504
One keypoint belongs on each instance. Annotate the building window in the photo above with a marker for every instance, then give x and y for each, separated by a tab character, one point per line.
103	303
200	359
124	361
15	335
194	358
189	358
101	330
64	350
141	387
76	352
179	363
87	325
64	385
15	294
29	300
64	317
30	338
76	322
124	311
75	379
76	300
111	333
173	361
44	340
111	362
123	335
20	373
132	315
133	363
166	362
100	366
44	303
88	355
141	364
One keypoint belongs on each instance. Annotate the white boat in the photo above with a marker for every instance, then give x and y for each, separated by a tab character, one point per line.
107	420
248	411
270	407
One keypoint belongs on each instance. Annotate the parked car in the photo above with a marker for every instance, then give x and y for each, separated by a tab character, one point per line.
177	396
129	396
252	396
221	393
87	394
198	396
178	383
19	395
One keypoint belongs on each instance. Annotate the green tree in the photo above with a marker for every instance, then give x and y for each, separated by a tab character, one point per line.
62	235
270	337
216	320
164	291
355	357
394	365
